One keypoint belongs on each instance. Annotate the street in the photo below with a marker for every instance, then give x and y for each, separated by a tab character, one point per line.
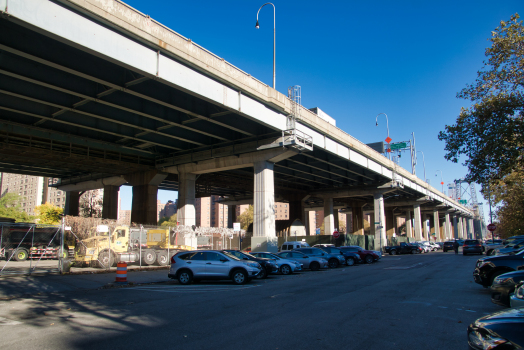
419	301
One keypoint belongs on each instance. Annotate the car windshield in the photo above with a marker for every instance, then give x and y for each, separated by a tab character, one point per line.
230	255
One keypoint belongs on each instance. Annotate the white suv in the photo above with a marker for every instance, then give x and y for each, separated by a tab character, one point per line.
210	264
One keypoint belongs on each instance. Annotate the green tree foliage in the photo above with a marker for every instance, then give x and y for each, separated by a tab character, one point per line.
490	132
10	208
48	214
246	218
170	221
508	196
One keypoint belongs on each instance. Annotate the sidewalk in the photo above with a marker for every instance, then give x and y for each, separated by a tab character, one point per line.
24	286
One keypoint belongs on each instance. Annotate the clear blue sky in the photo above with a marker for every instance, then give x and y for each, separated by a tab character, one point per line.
354	60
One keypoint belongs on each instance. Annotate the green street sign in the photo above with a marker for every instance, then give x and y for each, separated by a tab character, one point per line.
399	145
463	201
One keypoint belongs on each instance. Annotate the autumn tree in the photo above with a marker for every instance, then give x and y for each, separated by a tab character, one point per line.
168	221
91	204
48	214
246	218
508	198
490	133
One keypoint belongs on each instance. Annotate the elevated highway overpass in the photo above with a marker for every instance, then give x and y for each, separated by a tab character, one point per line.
99	95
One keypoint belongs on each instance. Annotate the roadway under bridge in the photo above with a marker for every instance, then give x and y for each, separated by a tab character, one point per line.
100	95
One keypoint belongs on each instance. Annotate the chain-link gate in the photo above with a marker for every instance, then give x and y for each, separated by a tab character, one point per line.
31	248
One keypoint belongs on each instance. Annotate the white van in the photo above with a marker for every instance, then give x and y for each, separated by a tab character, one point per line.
293	245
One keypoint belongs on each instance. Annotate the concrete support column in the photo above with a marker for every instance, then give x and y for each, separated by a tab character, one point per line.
455	227
379	221
110	203
472	229
329	219
447	227
145	190
231	215
186	199
336	219
357	218
349	228
390	223
465	233
425	224
460	232
307	223
72	203
264	200
409	228
436	225
418	222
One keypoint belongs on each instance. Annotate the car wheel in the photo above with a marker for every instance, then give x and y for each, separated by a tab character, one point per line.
444	250
262	274
105	260
20	255
368	259
148	257
413	251
285	270
333	263
161	259
350	261
464	253
239	277
314	266
393	252
185	277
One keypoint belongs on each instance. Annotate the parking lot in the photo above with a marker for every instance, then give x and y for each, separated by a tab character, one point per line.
419	301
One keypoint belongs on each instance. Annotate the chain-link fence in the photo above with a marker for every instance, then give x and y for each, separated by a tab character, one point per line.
30	248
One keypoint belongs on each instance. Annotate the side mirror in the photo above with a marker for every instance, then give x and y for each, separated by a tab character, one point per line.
246	259
224	260
305	256
322	254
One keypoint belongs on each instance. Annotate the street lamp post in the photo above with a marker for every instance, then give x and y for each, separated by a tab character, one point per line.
441	181
274	36
424	163
387	127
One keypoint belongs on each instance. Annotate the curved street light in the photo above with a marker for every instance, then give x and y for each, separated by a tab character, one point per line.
441	181
257	26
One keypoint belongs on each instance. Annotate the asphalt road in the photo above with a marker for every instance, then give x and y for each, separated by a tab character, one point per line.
410	301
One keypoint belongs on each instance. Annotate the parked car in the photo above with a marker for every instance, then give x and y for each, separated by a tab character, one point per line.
285	266
293	245
448	245
488	268
351	258
334	260
210	264
367	256
472	246
517	298
513	246
513	238
425	248
323	245
404	248
435	246
504	285
269	265
499	330
313	263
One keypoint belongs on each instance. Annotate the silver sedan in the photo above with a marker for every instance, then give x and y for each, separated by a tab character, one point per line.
313	263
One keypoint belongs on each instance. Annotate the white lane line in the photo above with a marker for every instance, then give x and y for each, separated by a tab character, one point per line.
5	322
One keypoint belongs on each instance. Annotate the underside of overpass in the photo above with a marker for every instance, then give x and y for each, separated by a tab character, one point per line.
69	112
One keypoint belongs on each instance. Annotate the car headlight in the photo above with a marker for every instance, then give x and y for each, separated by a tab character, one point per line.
501	280
519	293
485	341
254	264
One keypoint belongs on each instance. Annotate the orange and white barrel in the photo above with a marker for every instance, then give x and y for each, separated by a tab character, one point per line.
121	272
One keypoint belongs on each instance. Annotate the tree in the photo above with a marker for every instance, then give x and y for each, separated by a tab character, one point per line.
168	221
508	194
91	204
490	132
48	214
10	208
246	218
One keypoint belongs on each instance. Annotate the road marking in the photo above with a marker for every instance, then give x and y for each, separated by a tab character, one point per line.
5	322
191	288
402	267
